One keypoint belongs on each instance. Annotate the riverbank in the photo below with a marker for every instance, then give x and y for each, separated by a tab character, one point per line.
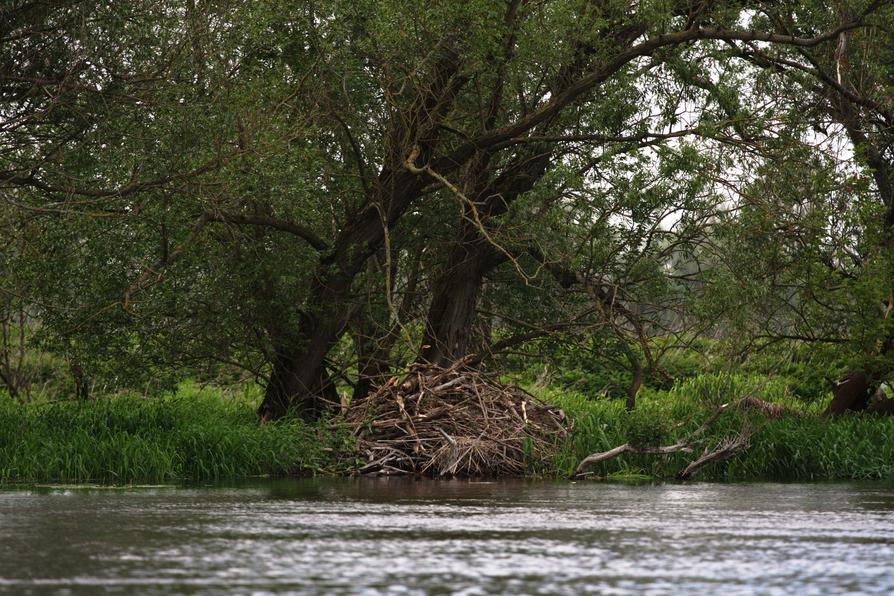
212	435
191	435
799	445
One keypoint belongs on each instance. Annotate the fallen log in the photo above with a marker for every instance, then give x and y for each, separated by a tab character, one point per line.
722	451
684	445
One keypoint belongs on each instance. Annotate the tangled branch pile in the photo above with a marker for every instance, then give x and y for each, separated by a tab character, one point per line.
453	422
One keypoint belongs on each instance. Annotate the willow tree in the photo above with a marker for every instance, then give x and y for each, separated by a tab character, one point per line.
242	172
482	148
813	247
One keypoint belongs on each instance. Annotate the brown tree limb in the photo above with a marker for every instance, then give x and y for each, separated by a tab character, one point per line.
282	225
724	451
684	445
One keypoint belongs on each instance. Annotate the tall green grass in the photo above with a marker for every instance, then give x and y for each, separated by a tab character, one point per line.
799	446
210	435
191	435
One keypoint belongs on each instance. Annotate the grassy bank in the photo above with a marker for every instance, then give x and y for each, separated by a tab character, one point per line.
800	445
212	434
192	435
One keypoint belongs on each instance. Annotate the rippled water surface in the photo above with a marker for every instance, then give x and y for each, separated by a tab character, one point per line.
400	536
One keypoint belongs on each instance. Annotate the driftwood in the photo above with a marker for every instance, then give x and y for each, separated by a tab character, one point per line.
683	445
453	422
724	450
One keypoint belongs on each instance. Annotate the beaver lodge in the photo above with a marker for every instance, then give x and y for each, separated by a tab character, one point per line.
453	422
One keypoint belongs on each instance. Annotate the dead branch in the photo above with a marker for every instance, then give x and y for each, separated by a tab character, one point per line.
684	445
723	451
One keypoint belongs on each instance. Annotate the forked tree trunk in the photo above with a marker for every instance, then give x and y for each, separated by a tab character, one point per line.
299	381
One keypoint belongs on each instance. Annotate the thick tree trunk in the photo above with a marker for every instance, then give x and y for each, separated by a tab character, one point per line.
297	385
299	381
448	326
852	394
299	364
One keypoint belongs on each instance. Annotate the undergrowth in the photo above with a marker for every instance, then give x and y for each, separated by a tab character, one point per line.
210	434
191	435
800	445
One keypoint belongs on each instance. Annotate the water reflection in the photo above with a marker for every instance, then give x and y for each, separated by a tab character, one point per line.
410	536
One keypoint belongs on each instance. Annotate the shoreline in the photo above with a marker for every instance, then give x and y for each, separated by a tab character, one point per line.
195	436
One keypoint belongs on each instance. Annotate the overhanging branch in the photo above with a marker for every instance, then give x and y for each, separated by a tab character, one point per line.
281	225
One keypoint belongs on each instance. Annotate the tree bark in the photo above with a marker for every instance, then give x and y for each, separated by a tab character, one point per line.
852	394
298	365
448	326
298	383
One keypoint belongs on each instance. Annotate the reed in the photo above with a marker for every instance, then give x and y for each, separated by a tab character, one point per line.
191	435
800	445
210	435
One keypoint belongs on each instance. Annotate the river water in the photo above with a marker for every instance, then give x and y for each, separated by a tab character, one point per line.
422	537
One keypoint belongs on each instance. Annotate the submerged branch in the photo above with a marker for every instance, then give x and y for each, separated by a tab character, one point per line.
725	450
683	445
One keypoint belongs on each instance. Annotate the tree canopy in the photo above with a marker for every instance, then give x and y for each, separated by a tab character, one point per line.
321	193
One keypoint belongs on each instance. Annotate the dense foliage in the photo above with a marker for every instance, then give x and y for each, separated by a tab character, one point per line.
611	195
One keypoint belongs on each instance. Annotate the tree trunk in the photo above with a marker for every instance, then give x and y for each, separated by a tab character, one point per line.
377	329
636	380
373	356
449	324
82	388
299	377
299	381
852	394
293	378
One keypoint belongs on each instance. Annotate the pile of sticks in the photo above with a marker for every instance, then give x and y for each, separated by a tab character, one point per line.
453	422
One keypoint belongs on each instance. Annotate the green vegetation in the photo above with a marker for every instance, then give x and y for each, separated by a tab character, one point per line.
208	434
665	203
799	445
191	435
